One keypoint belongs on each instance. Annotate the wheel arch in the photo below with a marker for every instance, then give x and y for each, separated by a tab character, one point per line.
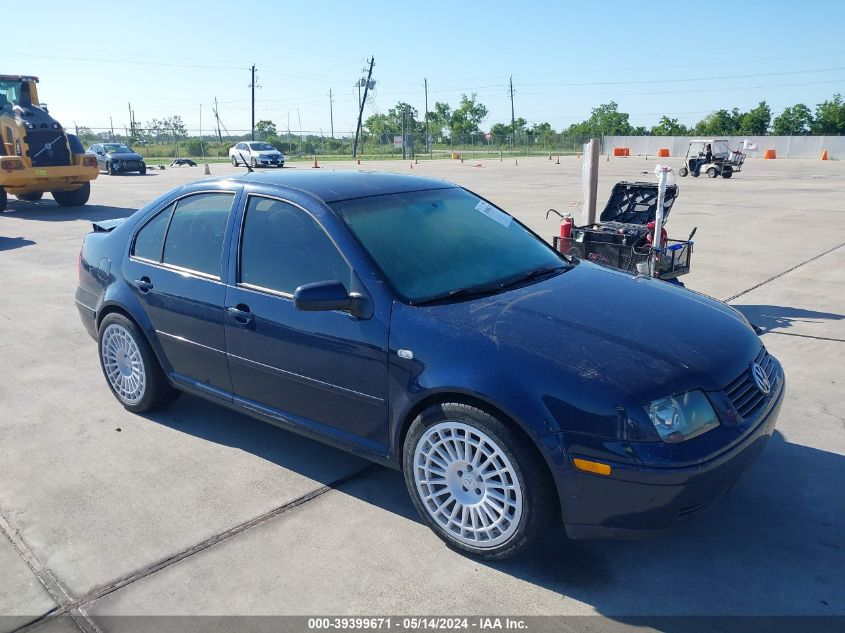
458	397
117	308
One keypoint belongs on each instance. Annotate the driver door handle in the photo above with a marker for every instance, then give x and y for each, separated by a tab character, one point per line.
241	313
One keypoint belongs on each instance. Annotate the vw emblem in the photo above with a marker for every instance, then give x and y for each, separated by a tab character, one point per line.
760	379
48	146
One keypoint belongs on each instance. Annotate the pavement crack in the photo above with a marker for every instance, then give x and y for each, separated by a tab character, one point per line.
785	272
74	608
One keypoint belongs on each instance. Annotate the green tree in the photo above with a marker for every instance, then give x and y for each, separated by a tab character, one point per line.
439	121
830	116
265	129
719	123
793	121
669	127
467	117
605	120
756	121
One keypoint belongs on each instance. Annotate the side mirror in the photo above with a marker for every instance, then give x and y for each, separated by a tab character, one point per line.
330	295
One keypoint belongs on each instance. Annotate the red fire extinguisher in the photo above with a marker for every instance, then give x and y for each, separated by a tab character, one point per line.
664	236
566	225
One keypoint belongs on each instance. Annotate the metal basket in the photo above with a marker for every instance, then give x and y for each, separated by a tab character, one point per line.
674	259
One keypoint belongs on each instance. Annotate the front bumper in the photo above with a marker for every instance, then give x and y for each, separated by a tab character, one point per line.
30	179
267	162
643	501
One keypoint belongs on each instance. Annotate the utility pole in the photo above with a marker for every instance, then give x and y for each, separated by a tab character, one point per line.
252	85
217	118
331	111
111	125
513	120
361	110
427	141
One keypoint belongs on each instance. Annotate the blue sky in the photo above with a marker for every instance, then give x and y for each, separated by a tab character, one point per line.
679	58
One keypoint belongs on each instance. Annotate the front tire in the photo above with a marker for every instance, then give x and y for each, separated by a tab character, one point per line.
682	172
254	163
75	198
476	482
131	369
143	169
4	199
234	162
712	172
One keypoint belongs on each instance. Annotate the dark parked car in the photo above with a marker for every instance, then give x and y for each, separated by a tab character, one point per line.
416	324
115	158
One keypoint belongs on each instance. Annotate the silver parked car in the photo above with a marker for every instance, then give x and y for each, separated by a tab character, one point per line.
257	154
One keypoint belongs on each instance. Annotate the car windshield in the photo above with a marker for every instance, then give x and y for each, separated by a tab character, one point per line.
261	147
436	244
117	148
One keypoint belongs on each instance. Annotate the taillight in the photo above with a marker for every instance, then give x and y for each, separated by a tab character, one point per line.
11	164
89	161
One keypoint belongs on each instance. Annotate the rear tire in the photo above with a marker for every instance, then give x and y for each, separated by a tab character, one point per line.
74	198
31	196
130	367
493	501
727	172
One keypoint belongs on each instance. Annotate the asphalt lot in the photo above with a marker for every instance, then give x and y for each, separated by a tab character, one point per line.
198	510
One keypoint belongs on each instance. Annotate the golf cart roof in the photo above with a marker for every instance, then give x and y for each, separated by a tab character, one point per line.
18	78
709	140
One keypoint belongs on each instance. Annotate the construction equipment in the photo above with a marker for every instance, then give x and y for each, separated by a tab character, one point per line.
36	155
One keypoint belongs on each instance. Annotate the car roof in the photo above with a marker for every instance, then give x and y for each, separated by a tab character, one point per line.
335	185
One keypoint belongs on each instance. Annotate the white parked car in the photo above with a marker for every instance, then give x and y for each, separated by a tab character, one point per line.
257	154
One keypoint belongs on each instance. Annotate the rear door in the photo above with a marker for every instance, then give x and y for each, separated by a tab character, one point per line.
323	370
175	267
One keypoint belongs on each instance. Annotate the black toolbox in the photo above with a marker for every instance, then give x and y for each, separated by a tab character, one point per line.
620	239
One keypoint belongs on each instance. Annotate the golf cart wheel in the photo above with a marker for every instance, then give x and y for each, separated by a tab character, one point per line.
712	172
75	198
3	199
143	169
254	163
32	196
727	171
234	162
476	481
682	172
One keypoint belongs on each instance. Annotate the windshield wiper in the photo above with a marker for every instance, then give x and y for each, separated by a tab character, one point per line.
534	273
489	289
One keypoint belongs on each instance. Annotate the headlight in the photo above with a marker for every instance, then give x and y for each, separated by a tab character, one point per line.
682	417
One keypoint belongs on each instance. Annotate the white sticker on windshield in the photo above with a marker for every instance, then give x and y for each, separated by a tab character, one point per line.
493	213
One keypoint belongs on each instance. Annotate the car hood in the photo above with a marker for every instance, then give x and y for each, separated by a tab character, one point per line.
269	152
645	337
125	156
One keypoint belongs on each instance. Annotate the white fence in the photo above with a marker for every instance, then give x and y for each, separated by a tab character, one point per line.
784	146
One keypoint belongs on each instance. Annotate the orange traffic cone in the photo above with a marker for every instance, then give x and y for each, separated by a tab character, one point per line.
315	166
824	155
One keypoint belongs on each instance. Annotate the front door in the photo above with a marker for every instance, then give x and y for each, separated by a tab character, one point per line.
175	268
323	370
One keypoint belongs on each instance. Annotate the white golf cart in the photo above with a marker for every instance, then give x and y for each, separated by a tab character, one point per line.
723	161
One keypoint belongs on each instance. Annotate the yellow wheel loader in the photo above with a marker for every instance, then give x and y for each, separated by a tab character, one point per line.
36	155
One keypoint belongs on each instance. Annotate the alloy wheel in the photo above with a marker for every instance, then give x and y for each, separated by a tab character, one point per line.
123	363
467	484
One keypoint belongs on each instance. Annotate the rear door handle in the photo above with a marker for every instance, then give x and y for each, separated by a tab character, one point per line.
144	284
241	313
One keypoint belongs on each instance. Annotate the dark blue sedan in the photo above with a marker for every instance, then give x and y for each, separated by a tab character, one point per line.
416	324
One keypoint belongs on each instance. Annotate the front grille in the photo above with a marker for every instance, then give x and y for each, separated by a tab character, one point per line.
743	393
48	148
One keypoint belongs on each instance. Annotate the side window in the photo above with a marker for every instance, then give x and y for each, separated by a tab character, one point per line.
195	237
282	248
149	240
